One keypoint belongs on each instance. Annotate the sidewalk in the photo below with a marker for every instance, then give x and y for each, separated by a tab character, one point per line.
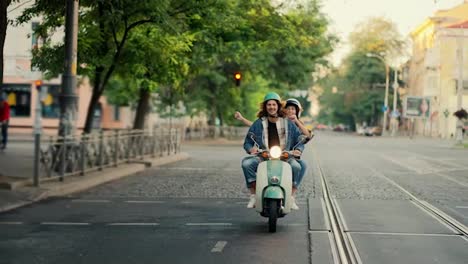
16	170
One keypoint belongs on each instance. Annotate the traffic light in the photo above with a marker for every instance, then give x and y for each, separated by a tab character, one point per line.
237	78
38	84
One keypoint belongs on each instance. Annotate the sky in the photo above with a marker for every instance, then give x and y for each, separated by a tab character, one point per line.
406	14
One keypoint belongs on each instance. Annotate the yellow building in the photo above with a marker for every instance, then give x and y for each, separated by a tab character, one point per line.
439	43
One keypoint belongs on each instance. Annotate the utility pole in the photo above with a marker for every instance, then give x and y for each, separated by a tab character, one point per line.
459	123
387	83
394	112
68	106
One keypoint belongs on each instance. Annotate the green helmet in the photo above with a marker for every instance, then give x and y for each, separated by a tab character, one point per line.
271	96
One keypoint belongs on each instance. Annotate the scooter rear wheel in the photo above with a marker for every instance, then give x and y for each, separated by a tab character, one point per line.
273	215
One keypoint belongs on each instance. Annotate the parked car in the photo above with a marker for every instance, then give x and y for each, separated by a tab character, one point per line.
373	131
321	127
338	128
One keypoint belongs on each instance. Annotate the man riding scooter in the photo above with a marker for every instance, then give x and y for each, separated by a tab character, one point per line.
270	129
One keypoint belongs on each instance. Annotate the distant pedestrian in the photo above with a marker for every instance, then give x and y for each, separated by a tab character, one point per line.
4	121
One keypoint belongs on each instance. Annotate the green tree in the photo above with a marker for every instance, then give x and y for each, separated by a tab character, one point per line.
361	78
273	49
104	29
4	21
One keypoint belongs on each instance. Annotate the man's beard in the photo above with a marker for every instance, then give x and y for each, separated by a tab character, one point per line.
273	115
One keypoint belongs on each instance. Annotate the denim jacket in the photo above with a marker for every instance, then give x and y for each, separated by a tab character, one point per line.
292	135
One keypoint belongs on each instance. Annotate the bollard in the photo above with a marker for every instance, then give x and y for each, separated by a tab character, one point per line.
101	149
116	148
37	147
63	158
83	154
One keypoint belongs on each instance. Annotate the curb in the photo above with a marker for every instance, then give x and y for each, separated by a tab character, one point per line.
23	203
81	183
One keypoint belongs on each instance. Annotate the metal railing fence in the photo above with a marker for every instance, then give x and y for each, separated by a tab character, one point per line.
60	157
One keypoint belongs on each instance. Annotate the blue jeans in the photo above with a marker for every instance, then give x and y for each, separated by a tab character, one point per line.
250	165
4	133
297	180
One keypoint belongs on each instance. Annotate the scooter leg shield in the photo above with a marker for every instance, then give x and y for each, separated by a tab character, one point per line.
262	182
286	184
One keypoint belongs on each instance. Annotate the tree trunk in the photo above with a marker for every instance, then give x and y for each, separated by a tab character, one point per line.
142	109
91	108
3	28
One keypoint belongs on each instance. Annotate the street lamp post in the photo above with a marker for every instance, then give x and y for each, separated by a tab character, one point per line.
394	112
387	82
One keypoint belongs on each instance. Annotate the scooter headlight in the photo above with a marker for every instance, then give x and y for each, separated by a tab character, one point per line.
274	180
275	152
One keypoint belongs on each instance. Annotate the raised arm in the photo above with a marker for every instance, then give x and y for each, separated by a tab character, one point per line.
301	126
241	118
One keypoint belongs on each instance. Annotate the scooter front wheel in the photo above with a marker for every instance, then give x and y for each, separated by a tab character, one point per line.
272	215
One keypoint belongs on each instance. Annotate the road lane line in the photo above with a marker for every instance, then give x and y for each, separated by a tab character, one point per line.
296	224
219	246
451	179
456	212
11	223
401	164
462	207
202	169
133	224
146	202
208	224
401	234
89	201
64	223
442	217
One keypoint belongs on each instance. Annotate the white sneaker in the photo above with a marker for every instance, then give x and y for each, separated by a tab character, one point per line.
293	204
252	201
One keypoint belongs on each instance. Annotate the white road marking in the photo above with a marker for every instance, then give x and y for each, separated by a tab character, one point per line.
90	201
457	213
208	224
11	223
133	224
402	234
219	246
445	162
318	231
401	164
146	202
452	179
295	224
64	223
462	207
202	169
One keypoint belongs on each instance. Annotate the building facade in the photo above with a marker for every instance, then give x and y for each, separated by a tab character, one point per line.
21	93
440	52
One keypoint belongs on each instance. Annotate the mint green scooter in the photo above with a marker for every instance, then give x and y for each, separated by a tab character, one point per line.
274	184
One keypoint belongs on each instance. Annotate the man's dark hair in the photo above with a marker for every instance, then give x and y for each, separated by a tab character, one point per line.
263	112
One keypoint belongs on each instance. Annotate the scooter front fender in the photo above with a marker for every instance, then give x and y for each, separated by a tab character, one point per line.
273	192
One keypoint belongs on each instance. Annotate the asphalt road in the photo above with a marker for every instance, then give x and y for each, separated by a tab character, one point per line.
194	210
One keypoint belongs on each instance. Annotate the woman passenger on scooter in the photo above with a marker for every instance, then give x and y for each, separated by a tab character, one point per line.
293	110
271	129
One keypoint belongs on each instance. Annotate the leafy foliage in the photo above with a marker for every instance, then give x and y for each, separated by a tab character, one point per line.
188	50
360	81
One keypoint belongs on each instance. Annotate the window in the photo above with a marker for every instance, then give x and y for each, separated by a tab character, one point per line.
50	102
465	85
116	113
34	36
34	42
18	97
